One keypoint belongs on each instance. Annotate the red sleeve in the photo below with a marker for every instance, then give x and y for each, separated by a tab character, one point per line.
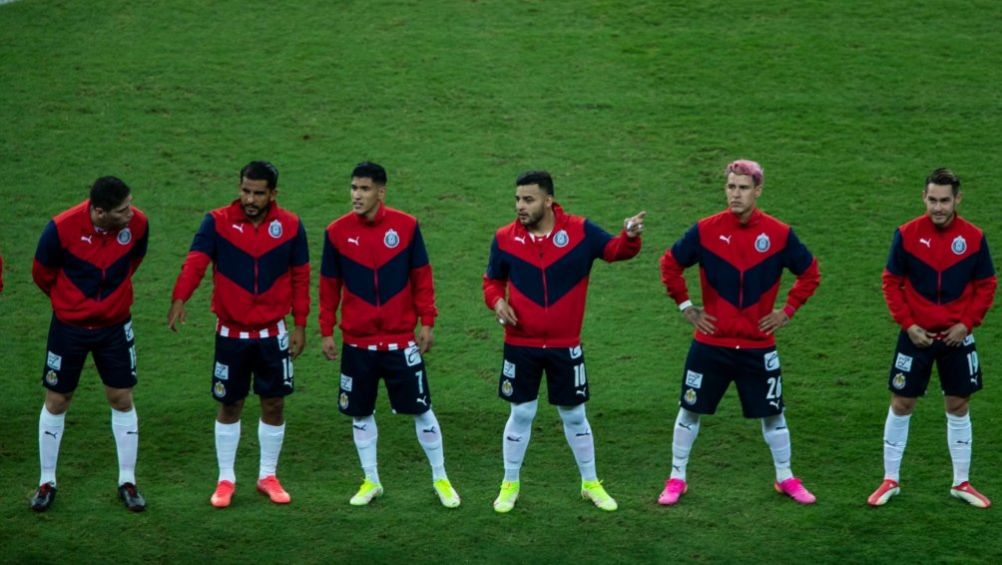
300	293
981	301
423	287
671	277
621	247
45	277
494	290
894	295
807	283
191	275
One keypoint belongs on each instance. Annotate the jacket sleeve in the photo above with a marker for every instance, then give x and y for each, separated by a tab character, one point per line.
496	277
202	252
49	258
984	284
805	266
300	272
683	254
139	250
609	248
422	282
330	286
894	283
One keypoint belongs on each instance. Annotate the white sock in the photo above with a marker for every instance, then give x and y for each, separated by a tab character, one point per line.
366	434
895	440
686	430
50	433
125	427
959	437
578	434
517	432
430	437
777	437
227	439
270	437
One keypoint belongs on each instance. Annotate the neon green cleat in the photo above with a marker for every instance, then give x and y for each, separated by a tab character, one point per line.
366	493
593	491
447	494
507	497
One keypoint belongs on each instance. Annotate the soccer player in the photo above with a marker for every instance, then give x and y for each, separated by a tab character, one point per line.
84	263
741	252
376	268
261	271
536	283
939	283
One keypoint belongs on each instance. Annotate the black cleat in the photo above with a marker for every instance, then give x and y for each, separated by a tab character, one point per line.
131	497
43	497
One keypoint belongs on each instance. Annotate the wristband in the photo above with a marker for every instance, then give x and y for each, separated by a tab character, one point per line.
685	306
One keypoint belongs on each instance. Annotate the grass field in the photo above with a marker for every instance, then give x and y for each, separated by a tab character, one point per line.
632	105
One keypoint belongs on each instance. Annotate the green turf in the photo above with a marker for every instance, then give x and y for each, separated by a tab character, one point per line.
632	105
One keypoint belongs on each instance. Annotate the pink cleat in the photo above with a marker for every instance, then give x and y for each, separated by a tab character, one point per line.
884	492
793	488
674	489
271	487
964	491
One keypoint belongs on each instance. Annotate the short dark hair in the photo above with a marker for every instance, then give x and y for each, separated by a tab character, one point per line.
260	170
107	193
943	176
370	170
542	178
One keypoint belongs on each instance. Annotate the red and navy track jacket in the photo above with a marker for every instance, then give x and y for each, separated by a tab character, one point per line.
378	272
740	266
547	278
86	272
260	272
936	277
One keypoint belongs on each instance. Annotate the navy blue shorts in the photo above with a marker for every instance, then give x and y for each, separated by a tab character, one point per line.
268	359
522	373
404	373
113	348
710	369
958	367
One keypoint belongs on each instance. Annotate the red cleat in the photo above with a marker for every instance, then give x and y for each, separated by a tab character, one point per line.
224	492
270	486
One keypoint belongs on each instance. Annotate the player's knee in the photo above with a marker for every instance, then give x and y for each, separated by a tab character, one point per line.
524	413
119	398
774	423
272	410
902	405
687	417
572	415
57	403
957	406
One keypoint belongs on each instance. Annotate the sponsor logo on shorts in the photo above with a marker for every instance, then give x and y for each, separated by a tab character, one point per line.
129	335
969	340
772	361
391	239
283	341
762	243
275	229
219	389
903	362
506	388
561	239
51	378
509	369
342	401
959	245
55	362
576	352
222	372
412	355
899	381
124	237
690	396
345	383
693	379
